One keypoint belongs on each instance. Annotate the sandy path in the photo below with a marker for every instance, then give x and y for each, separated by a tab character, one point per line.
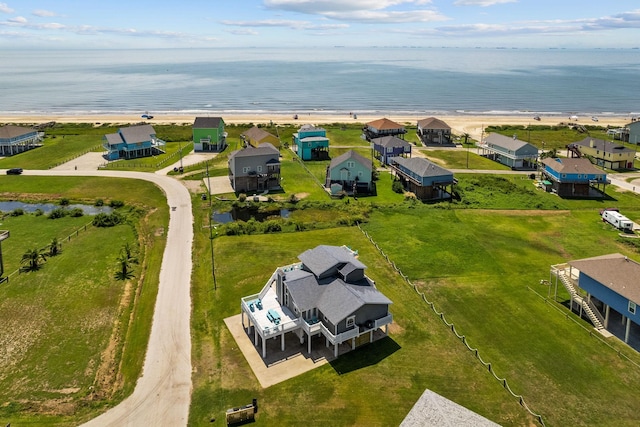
163	392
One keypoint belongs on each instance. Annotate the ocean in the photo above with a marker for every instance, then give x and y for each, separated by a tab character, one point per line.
337	80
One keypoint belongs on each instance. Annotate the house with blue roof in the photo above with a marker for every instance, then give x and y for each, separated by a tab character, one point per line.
510	151
574	177
424	178
327	294
311	143
387	147
18	139
350	172
133	142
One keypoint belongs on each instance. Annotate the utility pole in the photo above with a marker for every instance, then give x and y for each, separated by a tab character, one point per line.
211	227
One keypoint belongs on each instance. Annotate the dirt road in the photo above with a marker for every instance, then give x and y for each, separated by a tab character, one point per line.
163	392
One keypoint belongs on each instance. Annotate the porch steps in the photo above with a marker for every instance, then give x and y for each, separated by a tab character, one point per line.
587	306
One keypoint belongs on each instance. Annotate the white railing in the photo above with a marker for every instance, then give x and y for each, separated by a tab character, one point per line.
383	321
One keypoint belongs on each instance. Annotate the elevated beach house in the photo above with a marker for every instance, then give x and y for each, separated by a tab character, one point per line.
433	131
605	288
326	294
424	178
132	142
255	168
209	134
382	127
18	139
510	151
387	147
606	154
574	177
634	132
311	143
350	172
256	136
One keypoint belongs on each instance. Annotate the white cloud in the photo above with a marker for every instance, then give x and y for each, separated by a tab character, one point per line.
18	20
482	3
284	23
372	11
4	8
243	32
44	13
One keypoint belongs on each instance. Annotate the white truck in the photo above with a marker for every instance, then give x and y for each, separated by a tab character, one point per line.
618	220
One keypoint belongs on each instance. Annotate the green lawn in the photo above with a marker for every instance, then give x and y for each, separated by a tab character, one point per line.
58	321
462	159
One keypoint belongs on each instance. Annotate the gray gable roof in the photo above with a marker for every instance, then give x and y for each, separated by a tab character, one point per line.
135	134
601	144
323	258
249	151
615	271
207	122
340	299
304	288
422	167
569	165
11	131
506	142
390	141
351	155
257	134
432	123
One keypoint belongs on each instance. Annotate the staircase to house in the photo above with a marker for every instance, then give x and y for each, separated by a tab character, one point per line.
587	306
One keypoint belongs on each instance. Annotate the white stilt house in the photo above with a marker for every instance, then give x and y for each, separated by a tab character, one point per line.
326	294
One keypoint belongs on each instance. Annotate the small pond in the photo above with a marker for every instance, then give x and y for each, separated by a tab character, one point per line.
244	214
48	207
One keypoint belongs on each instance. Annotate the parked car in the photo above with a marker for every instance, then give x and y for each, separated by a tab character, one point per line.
14	171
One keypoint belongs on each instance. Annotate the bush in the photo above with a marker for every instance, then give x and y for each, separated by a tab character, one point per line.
107	220
57	213
99	202
17	212
397	187
116	204
242	197
76	212
64	202
272	226
38	212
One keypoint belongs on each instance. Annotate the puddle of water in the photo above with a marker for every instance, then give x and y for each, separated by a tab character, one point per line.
48	207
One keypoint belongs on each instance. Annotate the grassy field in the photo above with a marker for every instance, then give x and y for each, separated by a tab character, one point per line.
553	136
477	266
457	159
64	327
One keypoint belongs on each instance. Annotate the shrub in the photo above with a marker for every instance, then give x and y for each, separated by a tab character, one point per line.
38	212
272	226
107	220
99	202
64	202
76	212
57	213
397	187
242	197
116	204
17	212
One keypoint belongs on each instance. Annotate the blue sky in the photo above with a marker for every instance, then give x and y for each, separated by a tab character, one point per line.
244	23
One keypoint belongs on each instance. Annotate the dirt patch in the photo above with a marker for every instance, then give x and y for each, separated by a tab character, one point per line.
159	232
395	329
302	195
194	186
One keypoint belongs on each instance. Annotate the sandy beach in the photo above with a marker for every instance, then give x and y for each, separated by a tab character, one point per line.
460	124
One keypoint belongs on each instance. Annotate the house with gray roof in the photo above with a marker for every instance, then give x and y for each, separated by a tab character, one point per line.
255	168
387	147
132	142
433	131
510	151
605	153
350	172
18	139
424	178
326	294
256	136
608	286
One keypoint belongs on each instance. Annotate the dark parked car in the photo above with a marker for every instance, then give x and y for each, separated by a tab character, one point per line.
14	171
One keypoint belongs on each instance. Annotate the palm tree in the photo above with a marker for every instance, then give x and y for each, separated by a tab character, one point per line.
124	267
54	247
130	253
32	259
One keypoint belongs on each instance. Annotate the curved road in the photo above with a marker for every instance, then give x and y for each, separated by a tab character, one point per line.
163	392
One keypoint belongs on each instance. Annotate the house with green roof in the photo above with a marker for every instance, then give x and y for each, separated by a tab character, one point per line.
327	294
209	134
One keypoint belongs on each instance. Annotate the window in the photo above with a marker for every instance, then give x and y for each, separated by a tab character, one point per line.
351	164
246	169
259	168
632	307
360	173
564	175
351	321
389	149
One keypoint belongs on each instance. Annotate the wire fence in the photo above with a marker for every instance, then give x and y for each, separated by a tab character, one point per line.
67	239
452	327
